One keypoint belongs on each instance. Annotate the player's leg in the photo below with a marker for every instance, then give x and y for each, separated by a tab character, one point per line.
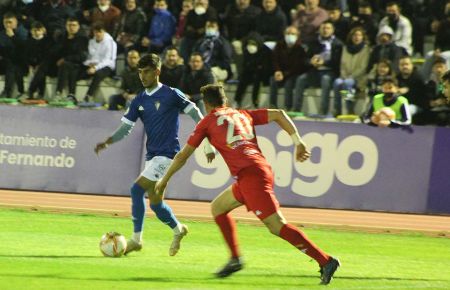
155	170
220	208
278	226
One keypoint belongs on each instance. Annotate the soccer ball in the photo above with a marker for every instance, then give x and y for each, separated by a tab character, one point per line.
113	244
383	117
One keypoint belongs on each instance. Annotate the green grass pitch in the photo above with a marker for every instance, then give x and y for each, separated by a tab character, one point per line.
42	250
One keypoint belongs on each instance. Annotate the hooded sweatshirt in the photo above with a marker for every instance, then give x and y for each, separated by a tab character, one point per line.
102	54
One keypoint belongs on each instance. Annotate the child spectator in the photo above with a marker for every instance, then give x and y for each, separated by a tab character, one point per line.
383	70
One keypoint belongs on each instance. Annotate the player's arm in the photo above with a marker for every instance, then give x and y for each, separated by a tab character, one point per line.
193	111
178	162
121	132
282	119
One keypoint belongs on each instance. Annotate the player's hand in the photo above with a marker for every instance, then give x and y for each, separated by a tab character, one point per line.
302	153
100	146
210	156
160	187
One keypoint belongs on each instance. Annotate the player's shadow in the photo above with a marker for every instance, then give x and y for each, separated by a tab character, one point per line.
50	256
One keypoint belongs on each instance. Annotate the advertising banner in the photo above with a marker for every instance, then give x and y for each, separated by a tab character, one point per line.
52	149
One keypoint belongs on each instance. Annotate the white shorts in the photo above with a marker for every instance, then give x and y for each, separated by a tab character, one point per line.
156	167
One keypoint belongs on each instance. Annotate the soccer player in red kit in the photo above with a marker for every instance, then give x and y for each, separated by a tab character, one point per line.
232	133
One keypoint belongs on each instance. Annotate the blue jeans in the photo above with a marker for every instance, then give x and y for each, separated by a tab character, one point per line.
288	85
316	78
339	85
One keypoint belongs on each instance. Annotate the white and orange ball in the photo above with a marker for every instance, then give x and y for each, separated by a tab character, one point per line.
113	244
383	117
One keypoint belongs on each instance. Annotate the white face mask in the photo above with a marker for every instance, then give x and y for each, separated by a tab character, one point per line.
103	8
252	49
211	32
38	37
200	10
290	39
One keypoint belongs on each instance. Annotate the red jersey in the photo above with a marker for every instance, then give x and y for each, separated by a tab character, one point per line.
232	132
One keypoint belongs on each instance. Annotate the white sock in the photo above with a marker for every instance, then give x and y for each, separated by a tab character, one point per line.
177	229
137	237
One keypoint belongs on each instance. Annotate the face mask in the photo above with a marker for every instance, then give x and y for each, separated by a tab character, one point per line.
290	39
103	8
388	95
252	49
200	10
39	37
211	32
392	16
27	1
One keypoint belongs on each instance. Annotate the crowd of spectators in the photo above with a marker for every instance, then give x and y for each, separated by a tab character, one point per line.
345	47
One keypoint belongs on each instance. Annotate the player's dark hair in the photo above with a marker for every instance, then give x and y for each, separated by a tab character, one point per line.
364	4
439	60
37	25
446	76
9	15
72	19
150	60
98	26
214	95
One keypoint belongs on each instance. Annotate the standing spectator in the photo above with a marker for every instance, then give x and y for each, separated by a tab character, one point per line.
308	19
257	68
325	57
53	14
131	26
271	22
289	62
354	60
216	51
188	5
412	86
12	41
172	67
70	52
131	83
104	12
385	49
101	60
195	26
162	29
389	98
37	55
401	26
367	20
341	24
382	70
195	76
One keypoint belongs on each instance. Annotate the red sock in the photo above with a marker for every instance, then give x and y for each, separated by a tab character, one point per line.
301	242
228	228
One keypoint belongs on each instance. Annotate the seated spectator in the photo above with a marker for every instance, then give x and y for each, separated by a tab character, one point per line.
195	76
12	41
257	68
162	29
131	83
101	59
308	19
104	12
439	113
325	58
70	51
216	51
367	20
389	98
400	25
172	68
341	24
385	49
354	60
38	57
382	70
412	86
271	22
131	26
289	62
195	26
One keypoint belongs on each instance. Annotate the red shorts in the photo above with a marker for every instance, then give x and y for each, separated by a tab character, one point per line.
254	188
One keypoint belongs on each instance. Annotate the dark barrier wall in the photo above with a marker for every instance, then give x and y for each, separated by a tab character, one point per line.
52	149
353	166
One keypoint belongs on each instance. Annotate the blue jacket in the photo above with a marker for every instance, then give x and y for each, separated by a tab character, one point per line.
162	28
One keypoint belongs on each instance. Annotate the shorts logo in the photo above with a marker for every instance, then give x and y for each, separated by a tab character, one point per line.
258	212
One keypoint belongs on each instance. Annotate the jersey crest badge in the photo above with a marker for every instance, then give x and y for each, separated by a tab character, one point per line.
141	108
157	104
